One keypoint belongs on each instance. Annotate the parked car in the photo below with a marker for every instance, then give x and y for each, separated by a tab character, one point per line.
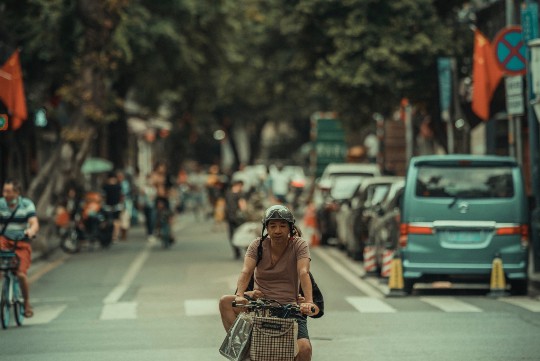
460	212
340	191
326	203
370	193
383	232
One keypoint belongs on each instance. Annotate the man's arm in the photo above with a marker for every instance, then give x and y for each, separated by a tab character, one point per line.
33	227
305	283
245	276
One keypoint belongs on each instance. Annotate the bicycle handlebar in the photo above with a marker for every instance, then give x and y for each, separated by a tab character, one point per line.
264	304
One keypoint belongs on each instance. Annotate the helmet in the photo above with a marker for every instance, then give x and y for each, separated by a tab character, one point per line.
278	212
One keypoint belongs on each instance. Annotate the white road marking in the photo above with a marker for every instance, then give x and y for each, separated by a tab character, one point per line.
119	311
201	307
350	277
370	305
128	278
523	302
450	304
44	314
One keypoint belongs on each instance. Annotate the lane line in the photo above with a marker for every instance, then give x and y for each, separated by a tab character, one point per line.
201	307
370	305
119	311
44	314
129	276
450	304
364	287
525	302
41	271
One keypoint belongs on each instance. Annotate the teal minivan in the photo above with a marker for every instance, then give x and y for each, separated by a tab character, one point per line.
458	213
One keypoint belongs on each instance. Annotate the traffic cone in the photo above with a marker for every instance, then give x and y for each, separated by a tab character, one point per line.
497	286
311	232
370	266
387	260
396	284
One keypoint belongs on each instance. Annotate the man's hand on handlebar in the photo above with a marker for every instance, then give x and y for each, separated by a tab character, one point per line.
307	308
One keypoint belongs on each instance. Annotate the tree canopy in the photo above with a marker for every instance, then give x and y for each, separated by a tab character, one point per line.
247	61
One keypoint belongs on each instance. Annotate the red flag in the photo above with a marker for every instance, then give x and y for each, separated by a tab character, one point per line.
486	75
12	90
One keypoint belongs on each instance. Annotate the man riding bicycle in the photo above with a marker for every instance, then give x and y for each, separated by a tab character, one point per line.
18	220
279	264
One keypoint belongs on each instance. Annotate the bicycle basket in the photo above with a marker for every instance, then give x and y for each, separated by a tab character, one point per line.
8	260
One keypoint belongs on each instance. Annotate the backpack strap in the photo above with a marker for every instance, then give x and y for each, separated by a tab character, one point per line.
9	219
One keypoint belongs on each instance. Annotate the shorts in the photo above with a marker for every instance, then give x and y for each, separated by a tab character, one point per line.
302	327
23	251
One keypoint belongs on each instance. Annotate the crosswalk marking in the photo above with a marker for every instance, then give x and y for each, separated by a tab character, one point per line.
370	305
526	303
45	314
202	307
450	304
119	311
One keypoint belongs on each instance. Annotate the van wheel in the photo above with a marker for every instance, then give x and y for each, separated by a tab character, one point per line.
519	288
408	286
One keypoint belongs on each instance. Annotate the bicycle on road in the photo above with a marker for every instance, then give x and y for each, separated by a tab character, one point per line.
273	334
11	296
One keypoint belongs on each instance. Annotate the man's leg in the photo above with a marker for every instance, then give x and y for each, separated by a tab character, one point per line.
23	281
304	350
227	311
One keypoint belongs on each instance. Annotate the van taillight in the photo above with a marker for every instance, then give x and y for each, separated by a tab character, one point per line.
522	230
406	229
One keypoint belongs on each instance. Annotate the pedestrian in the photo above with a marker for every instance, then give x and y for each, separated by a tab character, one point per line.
235	208
279	184
18	219
147	199
127	206
112	191
279	263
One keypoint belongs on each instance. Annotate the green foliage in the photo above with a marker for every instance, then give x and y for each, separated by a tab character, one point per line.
251	60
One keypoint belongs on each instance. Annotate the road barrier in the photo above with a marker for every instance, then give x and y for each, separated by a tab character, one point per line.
370	265
388	257
497	285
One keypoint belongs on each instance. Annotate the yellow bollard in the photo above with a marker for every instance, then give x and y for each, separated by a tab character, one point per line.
497	285
395	281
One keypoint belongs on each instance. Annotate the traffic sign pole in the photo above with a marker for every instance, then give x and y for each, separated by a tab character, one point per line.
531	29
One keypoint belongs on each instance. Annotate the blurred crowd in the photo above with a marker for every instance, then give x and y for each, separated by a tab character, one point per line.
228	200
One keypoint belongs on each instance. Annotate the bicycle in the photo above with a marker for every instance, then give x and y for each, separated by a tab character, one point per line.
274	329
11	290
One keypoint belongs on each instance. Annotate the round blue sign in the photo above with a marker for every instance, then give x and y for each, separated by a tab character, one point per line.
510	51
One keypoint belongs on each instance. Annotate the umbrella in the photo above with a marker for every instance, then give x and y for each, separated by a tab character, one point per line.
96	165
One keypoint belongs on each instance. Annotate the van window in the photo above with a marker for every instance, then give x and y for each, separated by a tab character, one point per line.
465	182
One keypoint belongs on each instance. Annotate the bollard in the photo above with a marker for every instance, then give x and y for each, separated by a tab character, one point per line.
396	283
497	285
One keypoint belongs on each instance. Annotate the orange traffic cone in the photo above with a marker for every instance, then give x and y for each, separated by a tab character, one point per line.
311	231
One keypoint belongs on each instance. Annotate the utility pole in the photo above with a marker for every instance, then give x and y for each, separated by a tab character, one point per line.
530	31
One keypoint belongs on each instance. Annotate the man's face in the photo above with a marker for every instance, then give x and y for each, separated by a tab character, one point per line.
9	193
278	230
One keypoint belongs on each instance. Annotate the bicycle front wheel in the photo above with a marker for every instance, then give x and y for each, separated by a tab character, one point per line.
4	304
18	304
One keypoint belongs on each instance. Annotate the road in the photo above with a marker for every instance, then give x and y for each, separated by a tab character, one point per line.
137	301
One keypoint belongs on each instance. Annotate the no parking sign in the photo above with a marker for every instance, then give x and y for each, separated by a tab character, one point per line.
510	51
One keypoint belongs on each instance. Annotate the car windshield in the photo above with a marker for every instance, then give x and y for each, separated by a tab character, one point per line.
344	187
465	182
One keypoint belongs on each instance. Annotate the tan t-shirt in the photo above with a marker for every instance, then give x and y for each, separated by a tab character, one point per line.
279	282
